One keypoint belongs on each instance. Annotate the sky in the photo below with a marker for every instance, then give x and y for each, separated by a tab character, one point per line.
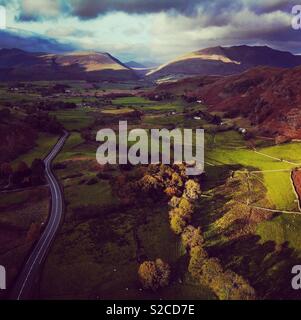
153	31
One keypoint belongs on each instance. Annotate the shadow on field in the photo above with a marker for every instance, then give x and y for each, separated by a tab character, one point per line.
266	265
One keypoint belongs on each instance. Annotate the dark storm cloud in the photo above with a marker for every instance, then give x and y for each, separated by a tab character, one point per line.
31	42
260	6
219	11
87	9
92	8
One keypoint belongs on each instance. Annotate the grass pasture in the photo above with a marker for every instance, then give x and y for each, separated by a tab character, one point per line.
74	119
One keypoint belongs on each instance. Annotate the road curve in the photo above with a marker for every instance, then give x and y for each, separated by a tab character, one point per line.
29	275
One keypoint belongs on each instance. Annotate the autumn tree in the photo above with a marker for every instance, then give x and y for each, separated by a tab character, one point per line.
192	190
177	223
174	202
154	274
191	237
33	232
186	207
197	257
170	191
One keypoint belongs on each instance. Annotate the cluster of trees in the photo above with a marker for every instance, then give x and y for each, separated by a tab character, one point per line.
55	105
154	181
154	274
182	207
226	284
22	175
150	183
44	122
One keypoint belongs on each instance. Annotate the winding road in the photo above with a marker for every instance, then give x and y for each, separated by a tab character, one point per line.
30	273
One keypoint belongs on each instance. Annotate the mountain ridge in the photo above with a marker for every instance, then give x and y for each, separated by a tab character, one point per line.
17	64
225	61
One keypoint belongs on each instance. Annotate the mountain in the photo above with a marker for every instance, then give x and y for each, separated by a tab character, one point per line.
269	97
16	64
224	61
135	65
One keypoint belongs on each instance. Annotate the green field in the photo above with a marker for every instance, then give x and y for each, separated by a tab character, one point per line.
228	149
134	101
74	119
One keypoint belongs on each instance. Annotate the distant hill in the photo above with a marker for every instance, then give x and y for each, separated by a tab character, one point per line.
224	61
135	65
17	64
269	97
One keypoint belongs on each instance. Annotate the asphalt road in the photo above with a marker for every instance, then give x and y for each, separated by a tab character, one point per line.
30	273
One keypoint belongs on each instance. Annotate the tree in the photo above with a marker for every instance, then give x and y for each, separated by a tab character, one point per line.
197	257
192	189
150	184
22	169
174	202
177	223
211	270
154	274
176	180
6	170
186	207
170	191
230	286
192	237
37	172
33	232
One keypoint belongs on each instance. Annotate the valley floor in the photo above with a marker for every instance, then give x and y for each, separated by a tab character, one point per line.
249	211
